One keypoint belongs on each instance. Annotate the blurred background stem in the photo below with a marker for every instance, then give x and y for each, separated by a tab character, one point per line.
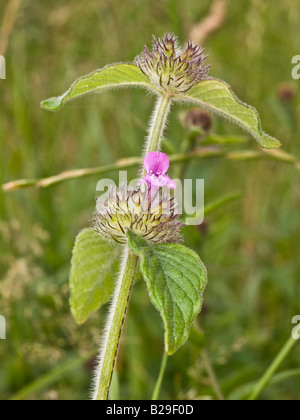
263	382
162	370
127	163
212	376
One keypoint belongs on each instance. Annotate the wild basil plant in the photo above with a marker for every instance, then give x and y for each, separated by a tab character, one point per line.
141	222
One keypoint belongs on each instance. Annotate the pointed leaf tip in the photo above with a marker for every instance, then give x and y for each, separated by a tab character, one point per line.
113	76
218	97
52	104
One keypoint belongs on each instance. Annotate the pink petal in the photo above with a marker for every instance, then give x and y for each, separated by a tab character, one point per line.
157	181
145	180
169	182
163	163
161	181
156	162
150	161
141	182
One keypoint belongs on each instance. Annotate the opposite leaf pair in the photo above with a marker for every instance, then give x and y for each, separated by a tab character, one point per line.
175	277
173	72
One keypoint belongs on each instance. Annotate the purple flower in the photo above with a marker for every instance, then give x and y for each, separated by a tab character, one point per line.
156	165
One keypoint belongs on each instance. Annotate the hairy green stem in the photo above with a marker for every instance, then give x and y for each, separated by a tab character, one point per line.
110	344
162	370
158	124
155	136
265	379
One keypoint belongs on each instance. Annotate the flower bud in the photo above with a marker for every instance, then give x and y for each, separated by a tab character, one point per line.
199	118
170	68
286	93
126	208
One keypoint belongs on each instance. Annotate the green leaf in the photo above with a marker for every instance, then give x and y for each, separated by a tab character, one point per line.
176	279
218	97
91	280
115	75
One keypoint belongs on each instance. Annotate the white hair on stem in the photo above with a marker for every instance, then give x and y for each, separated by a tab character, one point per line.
106	332
157	127
156	130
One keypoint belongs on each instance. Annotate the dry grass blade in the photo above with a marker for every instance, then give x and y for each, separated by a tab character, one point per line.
8	24
199	153
211	23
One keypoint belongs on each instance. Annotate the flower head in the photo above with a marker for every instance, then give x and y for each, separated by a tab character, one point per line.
131	208
171	68
156	165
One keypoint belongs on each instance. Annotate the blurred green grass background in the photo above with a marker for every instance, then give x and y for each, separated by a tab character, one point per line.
250	247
